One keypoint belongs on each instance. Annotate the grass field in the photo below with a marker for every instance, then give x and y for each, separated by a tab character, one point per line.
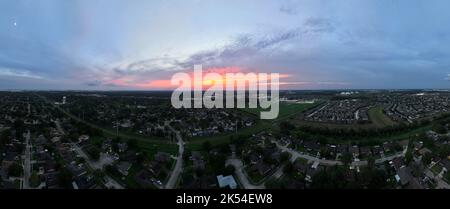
153	148
436	169
378	118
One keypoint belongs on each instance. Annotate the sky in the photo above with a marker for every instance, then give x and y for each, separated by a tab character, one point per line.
140	44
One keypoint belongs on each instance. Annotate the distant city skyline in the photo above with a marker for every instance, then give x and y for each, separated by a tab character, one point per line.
139	45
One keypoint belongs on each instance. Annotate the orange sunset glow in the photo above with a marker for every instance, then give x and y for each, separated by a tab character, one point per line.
128	81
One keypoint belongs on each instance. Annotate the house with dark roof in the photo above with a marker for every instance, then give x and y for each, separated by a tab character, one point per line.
261	167
123	167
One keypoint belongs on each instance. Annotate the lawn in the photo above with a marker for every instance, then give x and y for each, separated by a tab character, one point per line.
153	148
436	169
378	118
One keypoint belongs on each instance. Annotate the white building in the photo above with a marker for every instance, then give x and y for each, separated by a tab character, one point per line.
225	181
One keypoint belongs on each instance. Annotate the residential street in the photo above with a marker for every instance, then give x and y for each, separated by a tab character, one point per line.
27	163
440	184
296	155
110	182
174	175
243	179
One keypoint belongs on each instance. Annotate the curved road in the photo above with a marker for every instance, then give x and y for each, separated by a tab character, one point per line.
296	155
238	165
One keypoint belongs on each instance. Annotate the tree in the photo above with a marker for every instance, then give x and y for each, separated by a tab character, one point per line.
371	162
65	178
272	183
426	158
286	127
206	146
5	137
438	128
132	143
15	170
372	178
444	151
447	175
288	168
94	153
34	180
408	156
217	162
347	158
331	178
229	170
284	156
99	175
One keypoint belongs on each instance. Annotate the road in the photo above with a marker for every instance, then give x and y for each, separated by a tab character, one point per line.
109	182
440	183
174	175
296	155
316	111
239	171
58	126
27	163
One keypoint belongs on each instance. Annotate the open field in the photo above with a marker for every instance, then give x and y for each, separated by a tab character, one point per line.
378	118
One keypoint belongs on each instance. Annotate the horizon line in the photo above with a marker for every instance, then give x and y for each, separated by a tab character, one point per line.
166	90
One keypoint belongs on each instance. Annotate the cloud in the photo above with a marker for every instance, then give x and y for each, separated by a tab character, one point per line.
150	65
318	25
18	73
243	46
288	10
289	7
246	51
93	83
